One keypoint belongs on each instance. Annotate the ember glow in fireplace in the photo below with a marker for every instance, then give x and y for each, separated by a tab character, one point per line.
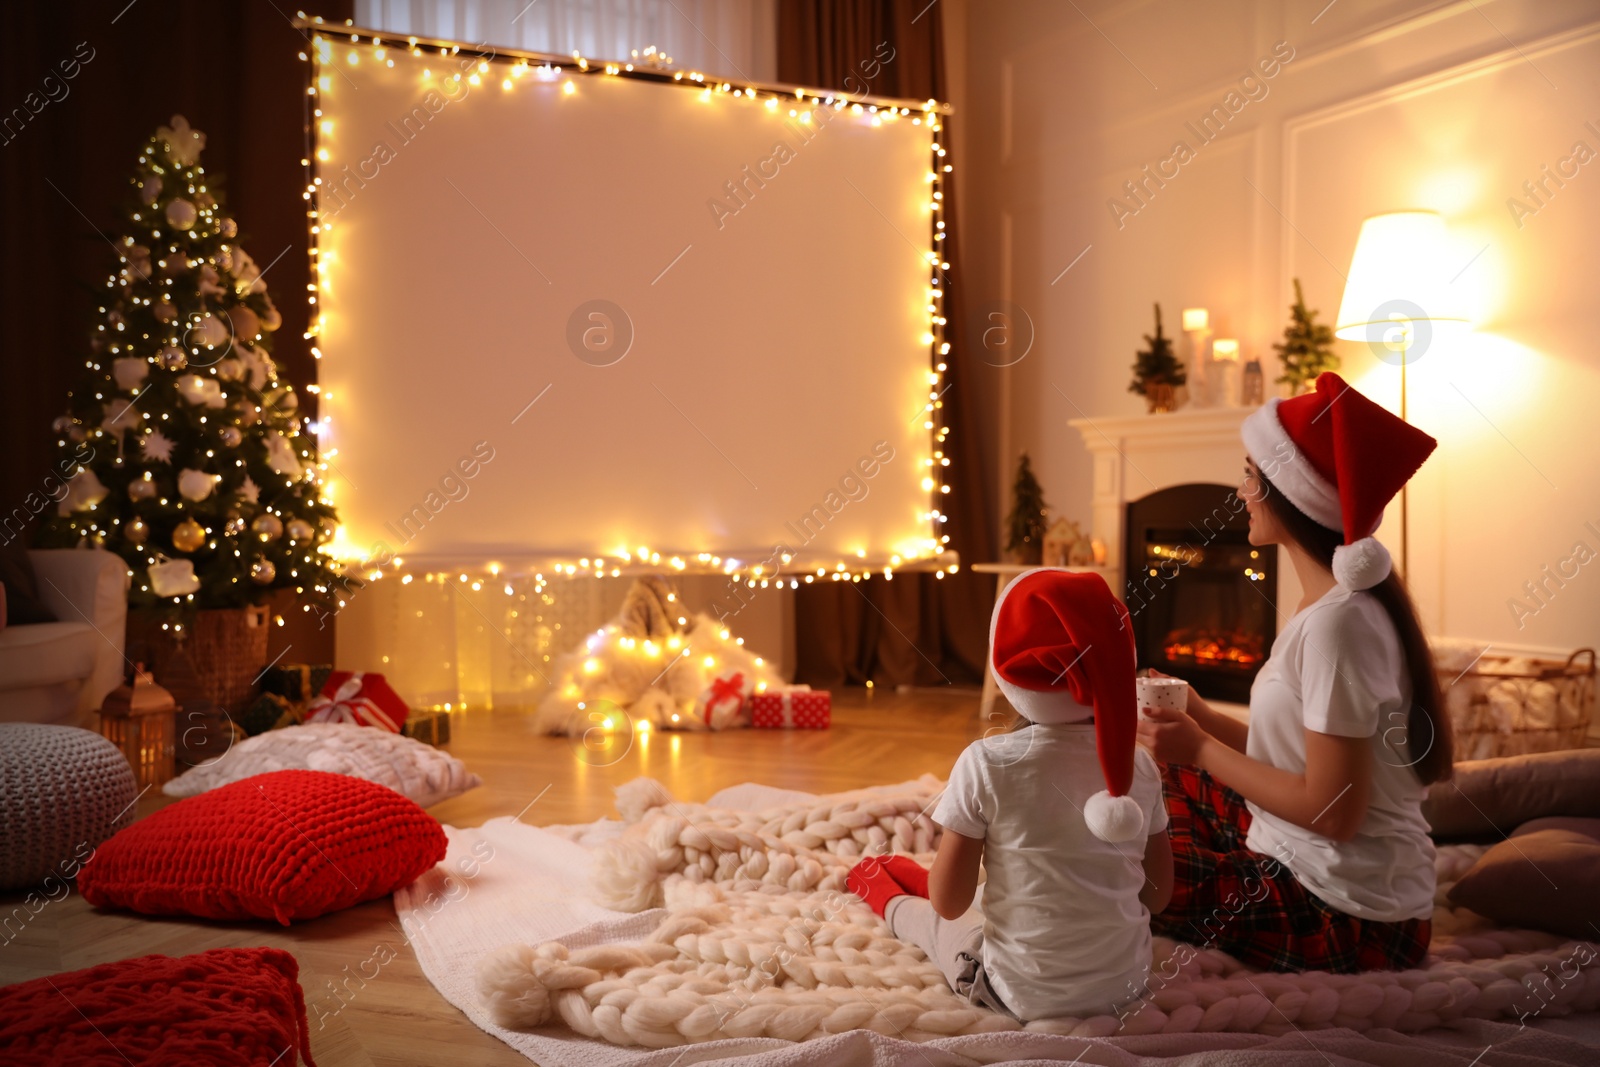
1200	595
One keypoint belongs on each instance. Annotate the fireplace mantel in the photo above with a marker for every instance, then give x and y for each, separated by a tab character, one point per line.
1136	455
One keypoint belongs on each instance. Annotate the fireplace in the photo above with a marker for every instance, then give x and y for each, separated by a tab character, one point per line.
1201	597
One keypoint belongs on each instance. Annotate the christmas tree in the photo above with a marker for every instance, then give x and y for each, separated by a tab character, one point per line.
1025	524
191	463
1307	347
1157	364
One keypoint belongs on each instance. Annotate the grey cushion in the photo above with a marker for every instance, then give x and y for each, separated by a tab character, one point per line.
62	791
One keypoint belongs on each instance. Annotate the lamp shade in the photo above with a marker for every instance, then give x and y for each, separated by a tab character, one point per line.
1400	272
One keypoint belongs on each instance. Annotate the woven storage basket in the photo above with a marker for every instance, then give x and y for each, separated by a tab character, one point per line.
1507	705
226	646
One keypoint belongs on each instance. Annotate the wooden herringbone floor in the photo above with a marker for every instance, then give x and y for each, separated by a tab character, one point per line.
397	1019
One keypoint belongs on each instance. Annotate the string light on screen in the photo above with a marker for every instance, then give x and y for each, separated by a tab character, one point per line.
350	46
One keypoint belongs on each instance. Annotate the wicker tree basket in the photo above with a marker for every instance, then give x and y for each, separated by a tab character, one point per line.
227	647
1507	705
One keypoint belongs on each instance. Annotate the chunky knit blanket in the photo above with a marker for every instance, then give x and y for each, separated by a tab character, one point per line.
759	939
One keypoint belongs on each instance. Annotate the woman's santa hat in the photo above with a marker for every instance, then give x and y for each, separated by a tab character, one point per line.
1062	651
1339	458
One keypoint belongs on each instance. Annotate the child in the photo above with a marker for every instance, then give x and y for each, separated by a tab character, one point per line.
1074	870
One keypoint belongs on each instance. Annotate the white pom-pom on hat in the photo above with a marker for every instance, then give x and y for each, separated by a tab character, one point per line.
1361	565
1113	819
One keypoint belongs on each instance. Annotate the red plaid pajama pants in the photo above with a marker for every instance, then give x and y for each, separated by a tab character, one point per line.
1250	906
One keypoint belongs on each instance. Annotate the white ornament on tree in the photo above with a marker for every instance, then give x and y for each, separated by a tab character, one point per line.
196	485
172	357
210	281
120	417
281	456
210	330
181	213
201	389
84	490
272	320
183	143
173	578
149	189
157	447
249	490
129	371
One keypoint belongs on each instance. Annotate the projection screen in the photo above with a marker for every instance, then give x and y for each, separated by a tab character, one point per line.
566	313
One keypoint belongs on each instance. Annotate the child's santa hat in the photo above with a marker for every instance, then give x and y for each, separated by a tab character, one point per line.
1062	650
1339	458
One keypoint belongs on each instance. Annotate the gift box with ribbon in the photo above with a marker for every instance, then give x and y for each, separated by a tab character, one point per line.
298	683
721	704
795	708
363	699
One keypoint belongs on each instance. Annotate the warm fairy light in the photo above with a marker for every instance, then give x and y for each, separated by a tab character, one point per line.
652	64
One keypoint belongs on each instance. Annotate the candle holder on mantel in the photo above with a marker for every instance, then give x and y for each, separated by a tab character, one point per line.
1222	374
1197	331
139	719
1252	389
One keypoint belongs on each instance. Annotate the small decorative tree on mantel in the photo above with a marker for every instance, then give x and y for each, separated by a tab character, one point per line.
1157	371
1025	525
1307	346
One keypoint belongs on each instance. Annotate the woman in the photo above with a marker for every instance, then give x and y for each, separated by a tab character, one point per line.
1299	840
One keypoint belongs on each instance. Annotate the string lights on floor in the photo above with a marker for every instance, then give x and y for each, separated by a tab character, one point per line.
347	46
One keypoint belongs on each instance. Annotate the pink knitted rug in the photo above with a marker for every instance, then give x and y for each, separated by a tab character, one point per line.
747	965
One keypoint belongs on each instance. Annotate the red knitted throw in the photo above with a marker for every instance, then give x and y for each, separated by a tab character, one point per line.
286	845
229	1005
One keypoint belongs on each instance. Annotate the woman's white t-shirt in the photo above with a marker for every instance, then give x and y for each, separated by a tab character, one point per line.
1338	668
1064	931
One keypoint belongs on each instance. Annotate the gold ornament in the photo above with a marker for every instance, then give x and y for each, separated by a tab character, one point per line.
262	571
137	531
267	526
188	536
299	530
141	488
231	436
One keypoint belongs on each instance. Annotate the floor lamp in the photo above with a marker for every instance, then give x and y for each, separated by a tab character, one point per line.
1398	299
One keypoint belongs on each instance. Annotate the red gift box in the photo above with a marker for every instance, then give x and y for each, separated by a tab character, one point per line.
363	699
792	709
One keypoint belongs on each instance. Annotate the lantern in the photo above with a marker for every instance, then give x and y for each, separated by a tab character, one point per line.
138	719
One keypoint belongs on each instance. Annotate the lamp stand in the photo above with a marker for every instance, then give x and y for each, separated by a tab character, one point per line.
1405	490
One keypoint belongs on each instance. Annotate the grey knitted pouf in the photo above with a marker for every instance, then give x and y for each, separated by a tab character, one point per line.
62	791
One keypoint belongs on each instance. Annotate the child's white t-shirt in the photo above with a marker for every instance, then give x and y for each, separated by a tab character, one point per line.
1064	932
1338	668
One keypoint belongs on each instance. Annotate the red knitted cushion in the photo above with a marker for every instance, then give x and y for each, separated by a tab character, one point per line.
286	845
229	1005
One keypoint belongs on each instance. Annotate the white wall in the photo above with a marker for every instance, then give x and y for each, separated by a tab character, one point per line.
1446	106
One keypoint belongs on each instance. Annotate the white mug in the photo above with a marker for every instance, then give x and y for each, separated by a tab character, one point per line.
1167	693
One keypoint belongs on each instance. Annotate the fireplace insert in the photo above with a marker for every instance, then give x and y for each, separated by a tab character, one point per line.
1202	598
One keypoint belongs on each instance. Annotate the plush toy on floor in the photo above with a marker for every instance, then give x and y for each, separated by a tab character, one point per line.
654	663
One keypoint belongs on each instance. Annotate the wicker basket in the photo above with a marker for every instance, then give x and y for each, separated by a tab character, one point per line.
227	647
1506	705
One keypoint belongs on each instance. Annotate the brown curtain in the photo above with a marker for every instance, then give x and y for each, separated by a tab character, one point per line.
914	629
82	85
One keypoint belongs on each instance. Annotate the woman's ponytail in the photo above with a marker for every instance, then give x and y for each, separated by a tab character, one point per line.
1429	740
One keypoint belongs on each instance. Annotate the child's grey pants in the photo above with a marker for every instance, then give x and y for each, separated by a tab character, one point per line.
954	945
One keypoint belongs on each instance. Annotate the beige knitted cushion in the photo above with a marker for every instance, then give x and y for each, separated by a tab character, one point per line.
62	791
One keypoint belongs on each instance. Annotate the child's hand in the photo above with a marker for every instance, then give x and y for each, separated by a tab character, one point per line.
1171	736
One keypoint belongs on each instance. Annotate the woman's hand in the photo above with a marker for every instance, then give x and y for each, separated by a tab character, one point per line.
1171	736
1197	705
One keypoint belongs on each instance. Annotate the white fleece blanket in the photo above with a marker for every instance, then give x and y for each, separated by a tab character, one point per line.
507	882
